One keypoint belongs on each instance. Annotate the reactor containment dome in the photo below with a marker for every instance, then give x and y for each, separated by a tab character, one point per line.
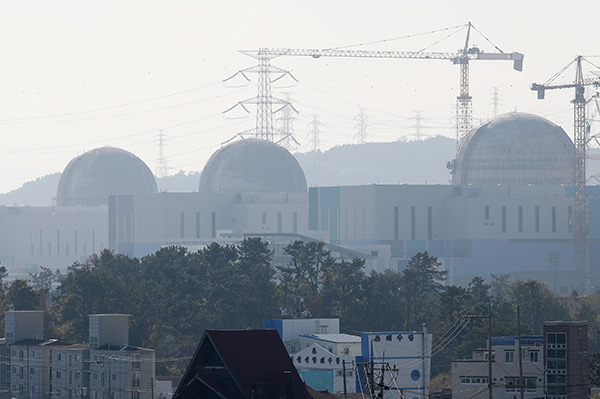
90	178
252	165
515	149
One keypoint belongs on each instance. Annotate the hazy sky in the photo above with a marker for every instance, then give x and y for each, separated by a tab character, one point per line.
79	74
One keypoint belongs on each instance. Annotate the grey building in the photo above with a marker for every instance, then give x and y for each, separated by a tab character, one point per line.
470	377
43	369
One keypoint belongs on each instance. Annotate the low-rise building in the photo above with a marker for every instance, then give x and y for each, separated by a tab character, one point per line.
566	359
321	369
470	377
44	369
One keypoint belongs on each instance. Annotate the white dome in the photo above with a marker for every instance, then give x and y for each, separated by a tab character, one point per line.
516	149
90	178
252	165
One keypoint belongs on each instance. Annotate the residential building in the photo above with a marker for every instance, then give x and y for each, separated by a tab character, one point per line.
470	377
44	369
566	359
70	371
29	368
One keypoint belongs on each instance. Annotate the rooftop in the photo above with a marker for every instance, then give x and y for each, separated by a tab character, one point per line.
337	338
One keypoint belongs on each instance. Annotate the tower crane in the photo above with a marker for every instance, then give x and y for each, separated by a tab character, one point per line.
580	216
461	57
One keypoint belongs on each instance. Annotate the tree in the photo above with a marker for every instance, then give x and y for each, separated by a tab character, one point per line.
44	279
537	304
21	296
303	276
422	287
104	283
343	292
260	290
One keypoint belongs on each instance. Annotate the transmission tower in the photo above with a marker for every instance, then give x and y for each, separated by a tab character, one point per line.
580	214
313	133
461	58
496	101
361	126
264	99
418	124
162	169
286	126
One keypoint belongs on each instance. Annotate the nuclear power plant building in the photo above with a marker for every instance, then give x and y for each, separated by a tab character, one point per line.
508	210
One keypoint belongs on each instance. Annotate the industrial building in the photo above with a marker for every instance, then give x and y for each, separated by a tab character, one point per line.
57	236
510	209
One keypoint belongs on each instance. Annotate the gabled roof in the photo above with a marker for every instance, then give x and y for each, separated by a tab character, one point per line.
241	364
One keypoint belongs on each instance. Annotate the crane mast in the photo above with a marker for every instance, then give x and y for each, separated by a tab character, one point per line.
580	214
462	58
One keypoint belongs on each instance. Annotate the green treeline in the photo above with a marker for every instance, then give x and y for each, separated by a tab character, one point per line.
174	295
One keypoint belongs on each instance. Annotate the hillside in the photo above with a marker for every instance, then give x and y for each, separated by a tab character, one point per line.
414	162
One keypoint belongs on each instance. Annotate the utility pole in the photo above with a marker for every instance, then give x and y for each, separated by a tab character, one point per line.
343	374
489	345
520	352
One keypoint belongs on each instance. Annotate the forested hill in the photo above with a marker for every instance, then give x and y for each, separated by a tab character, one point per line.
413	162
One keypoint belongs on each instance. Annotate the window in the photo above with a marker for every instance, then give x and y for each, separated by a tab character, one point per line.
537	219
136	379
504	219
59	356
396	223
58	374
31	370
520	219
553	219
529	384
487	212
474	380
429	223
182	225
135	361
509	356
534	356
264	218
413	223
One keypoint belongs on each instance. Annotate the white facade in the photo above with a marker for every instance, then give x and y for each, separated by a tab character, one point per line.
338	344
53	237
405	358
142	224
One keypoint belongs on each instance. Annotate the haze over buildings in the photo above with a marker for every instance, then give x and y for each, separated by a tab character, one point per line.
70	84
